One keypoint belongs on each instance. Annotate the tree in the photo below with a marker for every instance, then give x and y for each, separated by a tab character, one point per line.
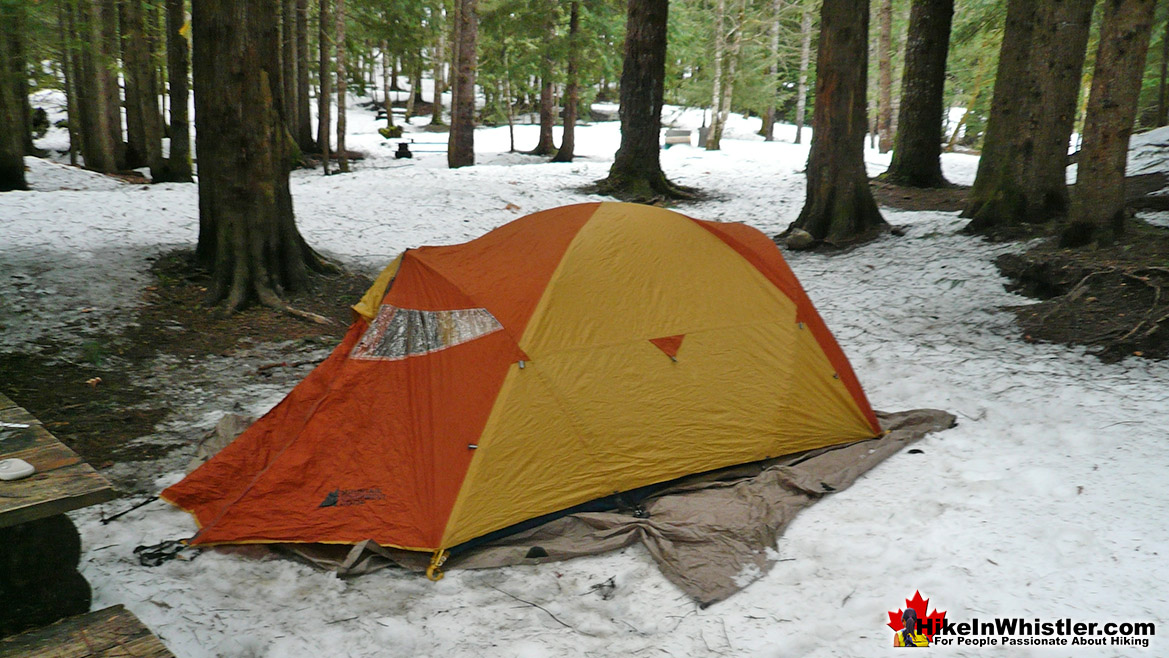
289	63
546	145
1021	172
325	73
840	208
11	123
461	146
636	173
304	123
1097	211
805	61
572	92
247	234
885	75
143	120
342	88
178	64
768	130
726	61
917	155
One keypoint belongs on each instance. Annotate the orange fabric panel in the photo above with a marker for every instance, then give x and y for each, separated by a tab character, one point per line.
669	344
504	271
359	450
757	248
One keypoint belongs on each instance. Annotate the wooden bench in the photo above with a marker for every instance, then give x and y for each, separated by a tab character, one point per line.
39	545
109	633
676	136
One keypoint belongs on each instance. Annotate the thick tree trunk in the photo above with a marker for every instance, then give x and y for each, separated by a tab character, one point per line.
572	93
247	234
884	75
98	147
304	121
715	132
178	62
1021	171
69	75
546	145
461	146
325	74
16	37
288	66
109	61
805	62
840	208
768	130
917	158
1097	212
342	88
12	125
636	173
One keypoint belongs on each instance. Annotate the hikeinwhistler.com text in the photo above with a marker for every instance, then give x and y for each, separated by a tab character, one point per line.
1016	631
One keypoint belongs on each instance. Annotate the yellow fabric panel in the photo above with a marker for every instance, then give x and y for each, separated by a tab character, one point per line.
640	272
579	425
372	299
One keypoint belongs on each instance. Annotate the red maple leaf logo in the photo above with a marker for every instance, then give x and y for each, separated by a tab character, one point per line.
929	623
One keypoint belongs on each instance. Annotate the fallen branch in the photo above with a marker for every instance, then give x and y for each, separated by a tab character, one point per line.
534	605
286	364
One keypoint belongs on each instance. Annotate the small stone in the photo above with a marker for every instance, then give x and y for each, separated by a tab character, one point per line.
799	239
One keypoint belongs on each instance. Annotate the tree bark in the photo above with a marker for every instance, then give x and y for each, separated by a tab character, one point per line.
69	76
342	88
636	174
546	145
1021	171
109	61
98	148
572	92
177	167
1097	211
12	125
805	61
288	66
884	76
304	121
840	208
143	121
16	37
1163	90
439	75
325	73
461	146
715	132
768	130
917	158
386	70
247	235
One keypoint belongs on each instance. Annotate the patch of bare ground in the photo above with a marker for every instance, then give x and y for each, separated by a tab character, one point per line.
109	404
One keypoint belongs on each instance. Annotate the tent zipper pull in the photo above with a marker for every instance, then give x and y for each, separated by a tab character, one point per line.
434	571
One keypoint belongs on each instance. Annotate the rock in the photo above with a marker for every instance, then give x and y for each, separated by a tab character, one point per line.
799	239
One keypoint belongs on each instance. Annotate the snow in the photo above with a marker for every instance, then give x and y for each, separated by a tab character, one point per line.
1046	501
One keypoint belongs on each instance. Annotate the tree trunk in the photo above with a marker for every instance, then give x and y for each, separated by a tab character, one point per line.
109	61
247	234
840	208
12	125
98	147
768	130
884	76
1021	171
636	174
572	92
715	133
304	121
288	66
16	36
917	158
178	61
386	69
342	88
461	146
69	76
143	121
1061	41
1097	211
325	73
546	145
439	77
1163	91
805	61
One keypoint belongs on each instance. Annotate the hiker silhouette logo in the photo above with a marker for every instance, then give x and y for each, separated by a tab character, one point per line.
912	626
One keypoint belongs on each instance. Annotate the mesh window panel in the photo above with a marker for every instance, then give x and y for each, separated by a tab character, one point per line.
397	333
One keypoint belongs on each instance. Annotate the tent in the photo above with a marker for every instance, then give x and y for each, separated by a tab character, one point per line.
565	357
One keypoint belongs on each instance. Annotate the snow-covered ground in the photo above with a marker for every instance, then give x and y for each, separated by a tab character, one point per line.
1045	502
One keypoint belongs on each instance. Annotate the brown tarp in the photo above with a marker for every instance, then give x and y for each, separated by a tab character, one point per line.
709	533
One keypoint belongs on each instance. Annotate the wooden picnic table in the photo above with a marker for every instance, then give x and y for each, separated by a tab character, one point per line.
39	545
109	633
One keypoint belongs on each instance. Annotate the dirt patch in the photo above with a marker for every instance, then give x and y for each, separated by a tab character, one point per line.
1113	300
947	199
104	403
